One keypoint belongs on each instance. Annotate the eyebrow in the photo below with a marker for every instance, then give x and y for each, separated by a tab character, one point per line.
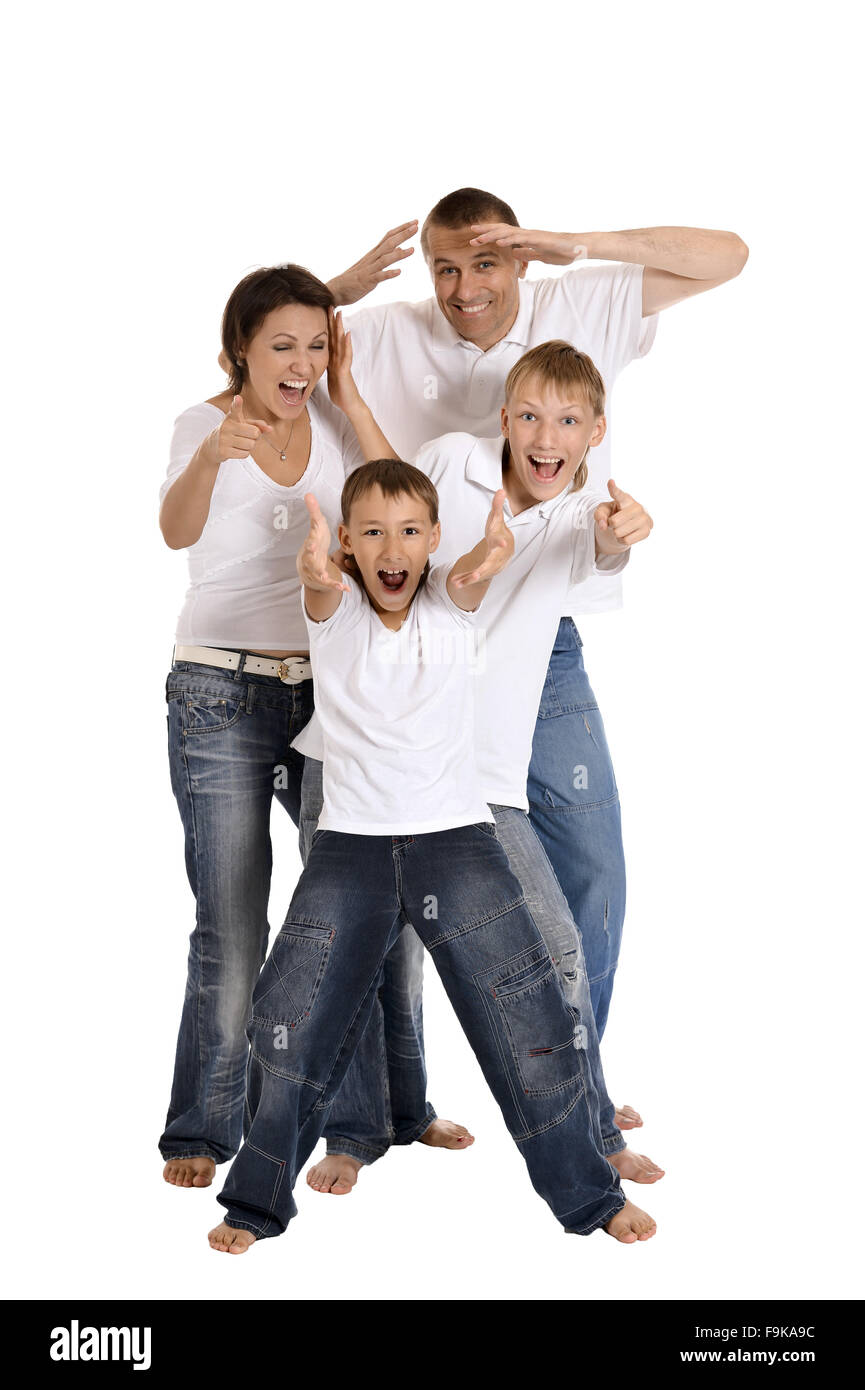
293	336
409	521
576	405
483	253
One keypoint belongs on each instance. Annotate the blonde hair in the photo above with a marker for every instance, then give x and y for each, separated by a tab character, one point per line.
559	365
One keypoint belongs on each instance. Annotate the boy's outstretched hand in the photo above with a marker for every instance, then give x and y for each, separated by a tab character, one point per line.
487	559
320	577
620	523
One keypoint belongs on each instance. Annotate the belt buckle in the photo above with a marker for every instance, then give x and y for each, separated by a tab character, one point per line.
285	670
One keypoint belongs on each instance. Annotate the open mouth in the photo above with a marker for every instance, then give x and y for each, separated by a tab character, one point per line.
471	310
292	390
546	467
393	581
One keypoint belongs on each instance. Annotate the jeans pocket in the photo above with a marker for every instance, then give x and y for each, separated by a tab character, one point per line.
289	983
206	713
488	827
540	1027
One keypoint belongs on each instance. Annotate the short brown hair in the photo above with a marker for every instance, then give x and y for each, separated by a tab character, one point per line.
395	479
257	295
559	364
463	207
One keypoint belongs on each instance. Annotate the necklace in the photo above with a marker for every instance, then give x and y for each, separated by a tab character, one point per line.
282	451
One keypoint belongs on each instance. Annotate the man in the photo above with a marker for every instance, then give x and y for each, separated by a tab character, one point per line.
430	368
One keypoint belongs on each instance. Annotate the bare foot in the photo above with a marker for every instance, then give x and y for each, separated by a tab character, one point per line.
189	1172
631	1224
636	1167
444	1134
336	1174
230	1240
628	1118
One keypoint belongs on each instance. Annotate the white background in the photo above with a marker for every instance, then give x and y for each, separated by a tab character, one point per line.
151	158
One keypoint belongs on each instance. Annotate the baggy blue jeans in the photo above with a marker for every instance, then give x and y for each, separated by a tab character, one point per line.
574	807
383	1098
229	741
315	994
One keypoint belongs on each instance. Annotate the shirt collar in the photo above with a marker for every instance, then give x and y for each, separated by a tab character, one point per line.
484	466
445	336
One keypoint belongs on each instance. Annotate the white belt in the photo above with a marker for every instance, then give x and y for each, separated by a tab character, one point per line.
292	670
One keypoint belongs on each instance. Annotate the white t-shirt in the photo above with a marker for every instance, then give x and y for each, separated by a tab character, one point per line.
515	627
244	590
395	714
422	380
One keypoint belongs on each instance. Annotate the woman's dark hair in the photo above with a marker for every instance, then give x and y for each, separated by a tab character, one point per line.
257	295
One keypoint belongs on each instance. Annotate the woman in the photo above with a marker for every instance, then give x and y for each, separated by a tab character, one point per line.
240	687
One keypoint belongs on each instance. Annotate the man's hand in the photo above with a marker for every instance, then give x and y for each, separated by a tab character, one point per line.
362	277
553	248
312	560
620	523
491	555
236	436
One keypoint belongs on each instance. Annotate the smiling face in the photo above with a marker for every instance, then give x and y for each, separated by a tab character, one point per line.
477	287
549	433
391	539
284	360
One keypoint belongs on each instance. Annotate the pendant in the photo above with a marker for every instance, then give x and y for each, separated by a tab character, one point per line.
282	456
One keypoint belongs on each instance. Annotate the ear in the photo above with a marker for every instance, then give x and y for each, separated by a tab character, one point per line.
521	273
343	538
506	424
435	536
598	432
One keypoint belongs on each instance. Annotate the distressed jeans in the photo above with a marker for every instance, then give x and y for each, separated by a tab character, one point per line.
574	807
315	995
229	738
383	1098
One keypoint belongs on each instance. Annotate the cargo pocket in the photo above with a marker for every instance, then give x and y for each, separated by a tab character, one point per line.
289	983
540	1027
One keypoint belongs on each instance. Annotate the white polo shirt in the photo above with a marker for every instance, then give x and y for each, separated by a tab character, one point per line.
554	548
422	380
515	627
394	716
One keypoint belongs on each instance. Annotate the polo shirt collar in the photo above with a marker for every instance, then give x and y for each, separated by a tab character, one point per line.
484	467
445	336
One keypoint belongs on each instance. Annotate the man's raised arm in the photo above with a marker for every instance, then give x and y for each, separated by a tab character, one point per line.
679	261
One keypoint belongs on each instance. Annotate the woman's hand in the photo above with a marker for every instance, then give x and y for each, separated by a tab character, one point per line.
236	436
341	385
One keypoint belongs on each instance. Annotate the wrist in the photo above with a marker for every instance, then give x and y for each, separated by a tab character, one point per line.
208	455
590	241
338	289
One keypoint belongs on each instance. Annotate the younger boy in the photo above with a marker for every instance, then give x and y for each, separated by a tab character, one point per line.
405	835
552	415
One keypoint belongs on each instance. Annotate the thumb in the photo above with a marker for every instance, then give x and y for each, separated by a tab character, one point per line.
497	511
602	512
312	507
236	411
616	493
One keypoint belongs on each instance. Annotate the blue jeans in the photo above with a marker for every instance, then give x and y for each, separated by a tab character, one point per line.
574	807
315	994
388	1071
229	738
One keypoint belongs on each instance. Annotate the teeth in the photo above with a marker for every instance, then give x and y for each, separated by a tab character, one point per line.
474	308
300	384
544	458
392	571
